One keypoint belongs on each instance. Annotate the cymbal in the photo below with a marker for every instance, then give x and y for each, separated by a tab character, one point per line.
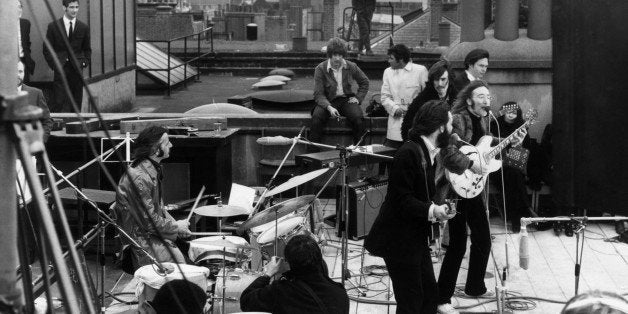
224	243
296	181
220	211
281	209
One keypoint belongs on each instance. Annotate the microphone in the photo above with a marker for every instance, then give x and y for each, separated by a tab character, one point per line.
524	257
274	140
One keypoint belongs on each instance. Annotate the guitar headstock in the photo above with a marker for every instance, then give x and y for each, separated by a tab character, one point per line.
531	115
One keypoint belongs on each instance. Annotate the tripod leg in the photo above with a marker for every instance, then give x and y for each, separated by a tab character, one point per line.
27	279
76	261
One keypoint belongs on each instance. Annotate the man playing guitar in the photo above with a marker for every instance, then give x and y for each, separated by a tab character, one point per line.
470	123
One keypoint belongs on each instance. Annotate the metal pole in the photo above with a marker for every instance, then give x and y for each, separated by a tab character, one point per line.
9	291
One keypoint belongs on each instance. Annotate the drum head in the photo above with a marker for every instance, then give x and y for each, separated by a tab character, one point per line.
283	229
261	228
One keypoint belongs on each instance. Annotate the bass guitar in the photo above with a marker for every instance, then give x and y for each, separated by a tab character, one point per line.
469	184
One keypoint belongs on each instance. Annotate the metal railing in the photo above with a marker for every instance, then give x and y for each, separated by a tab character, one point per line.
209	30
348	31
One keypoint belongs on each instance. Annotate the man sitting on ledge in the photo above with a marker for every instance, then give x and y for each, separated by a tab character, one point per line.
333	94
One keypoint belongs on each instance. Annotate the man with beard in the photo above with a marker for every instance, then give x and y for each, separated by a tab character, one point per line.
476	64
401	83
438	87
470	123
400	231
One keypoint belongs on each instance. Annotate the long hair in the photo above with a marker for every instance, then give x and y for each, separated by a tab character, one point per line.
336	46
430	117
146	143
304	255
466	93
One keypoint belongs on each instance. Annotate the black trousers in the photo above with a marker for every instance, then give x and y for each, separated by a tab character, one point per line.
414	284
471	212
364	16
517	199
60	100
351	111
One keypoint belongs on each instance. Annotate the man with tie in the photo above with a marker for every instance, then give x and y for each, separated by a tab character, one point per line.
77	34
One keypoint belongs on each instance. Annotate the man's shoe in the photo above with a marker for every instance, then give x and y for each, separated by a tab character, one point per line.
446	308
489	294
558	228
369	52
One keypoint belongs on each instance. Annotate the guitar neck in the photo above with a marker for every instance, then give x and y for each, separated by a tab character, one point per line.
505	142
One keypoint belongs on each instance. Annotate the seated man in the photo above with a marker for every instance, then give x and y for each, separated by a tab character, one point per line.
333	94
305	288
139	205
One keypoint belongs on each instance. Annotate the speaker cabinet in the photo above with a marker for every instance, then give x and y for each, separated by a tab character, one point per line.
365	200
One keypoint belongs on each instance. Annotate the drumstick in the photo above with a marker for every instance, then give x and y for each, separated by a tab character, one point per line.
205	234
198	198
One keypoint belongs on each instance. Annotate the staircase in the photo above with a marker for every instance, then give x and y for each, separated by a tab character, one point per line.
153	63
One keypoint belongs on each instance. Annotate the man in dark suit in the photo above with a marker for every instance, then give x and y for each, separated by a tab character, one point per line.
400	231
35	97
476	64
77	33
24	50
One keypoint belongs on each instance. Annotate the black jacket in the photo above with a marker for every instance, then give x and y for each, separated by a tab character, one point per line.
429	93
25	35
461	80
401	228
80	43
36	97
287	296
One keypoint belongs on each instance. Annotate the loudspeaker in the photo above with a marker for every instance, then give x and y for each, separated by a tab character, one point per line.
365	200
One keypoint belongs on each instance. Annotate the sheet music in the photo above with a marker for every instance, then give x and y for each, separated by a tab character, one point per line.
242	196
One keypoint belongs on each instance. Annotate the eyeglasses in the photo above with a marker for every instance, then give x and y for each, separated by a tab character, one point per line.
485	97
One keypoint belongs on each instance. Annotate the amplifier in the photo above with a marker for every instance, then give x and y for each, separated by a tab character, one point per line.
365	199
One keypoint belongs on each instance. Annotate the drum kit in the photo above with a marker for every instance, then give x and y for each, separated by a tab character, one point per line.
271	229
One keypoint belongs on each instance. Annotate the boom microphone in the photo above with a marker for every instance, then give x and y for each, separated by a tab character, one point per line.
523	248
274	140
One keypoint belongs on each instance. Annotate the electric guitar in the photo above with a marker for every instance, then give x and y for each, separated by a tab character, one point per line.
469	184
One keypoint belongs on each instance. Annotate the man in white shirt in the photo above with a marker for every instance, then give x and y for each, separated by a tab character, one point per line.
401	83
77	34
476	64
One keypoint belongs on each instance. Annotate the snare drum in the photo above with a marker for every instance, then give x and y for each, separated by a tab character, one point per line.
236	281
285	231
149	281
199	251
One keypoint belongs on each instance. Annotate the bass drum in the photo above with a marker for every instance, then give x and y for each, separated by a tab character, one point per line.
235	282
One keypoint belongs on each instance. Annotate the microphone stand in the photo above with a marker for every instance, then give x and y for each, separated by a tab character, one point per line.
272	180
344	205
108	220
582	224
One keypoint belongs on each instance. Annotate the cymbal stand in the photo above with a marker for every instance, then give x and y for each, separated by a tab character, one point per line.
343	151
271	182
106	219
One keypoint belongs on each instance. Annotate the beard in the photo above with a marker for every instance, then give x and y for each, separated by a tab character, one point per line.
442	140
